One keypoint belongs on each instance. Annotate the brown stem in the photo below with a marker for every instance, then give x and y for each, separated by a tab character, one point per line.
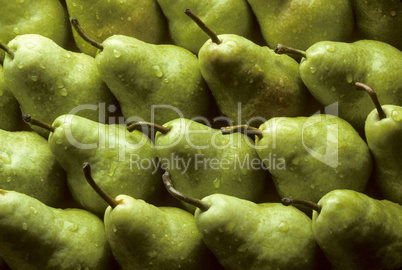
282	49
291	201
5	48
245	129
167	181
84	36
214	37
33	121
88	175
140	124
373	95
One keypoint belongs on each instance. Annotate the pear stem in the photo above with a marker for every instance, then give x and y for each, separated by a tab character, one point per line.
291	201
282	49
33	121
137	125
88	175
373	95
243	129
84	36
167	181
214	37
5	48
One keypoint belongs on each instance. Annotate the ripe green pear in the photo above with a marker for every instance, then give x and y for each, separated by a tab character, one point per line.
47	18
155	83
10	113
49	81
245	235
203	161
379	20
142	19
242	73
117	156
358	232
310	156
383	139
330	70
224	16
143	236
300	24
28	166
36	236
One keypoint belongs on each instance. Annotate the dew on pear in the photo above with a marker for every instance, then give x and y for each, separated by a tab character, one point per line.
116	53
157	70
283	226
349	78
27	15
74	4
396	115
330	48
114	228
59	141
129	19
8	179
5	158
33	210
392	13
293	5
25	226
16	30
216	183
313	69
63	92
33	77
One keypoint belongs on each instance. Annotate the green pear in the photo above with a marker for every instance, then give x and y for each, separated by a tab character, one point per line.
142	19
310	156
356	231
225	16
28	166
143	236
300	24
330	70
10	113
202	161
155	83
246	235
250	82
47	18
383	129
116	154
36	236
38	71
379	20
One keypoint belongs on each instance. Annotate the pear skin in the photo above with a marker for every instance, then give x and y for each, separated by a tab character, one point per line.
47	18
251	83
310	156
116	155
143	236
10	113
383	140
36	236
203	161
28	166
224	16
49	81
142	19
155	83
358	232
245	235
331	69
